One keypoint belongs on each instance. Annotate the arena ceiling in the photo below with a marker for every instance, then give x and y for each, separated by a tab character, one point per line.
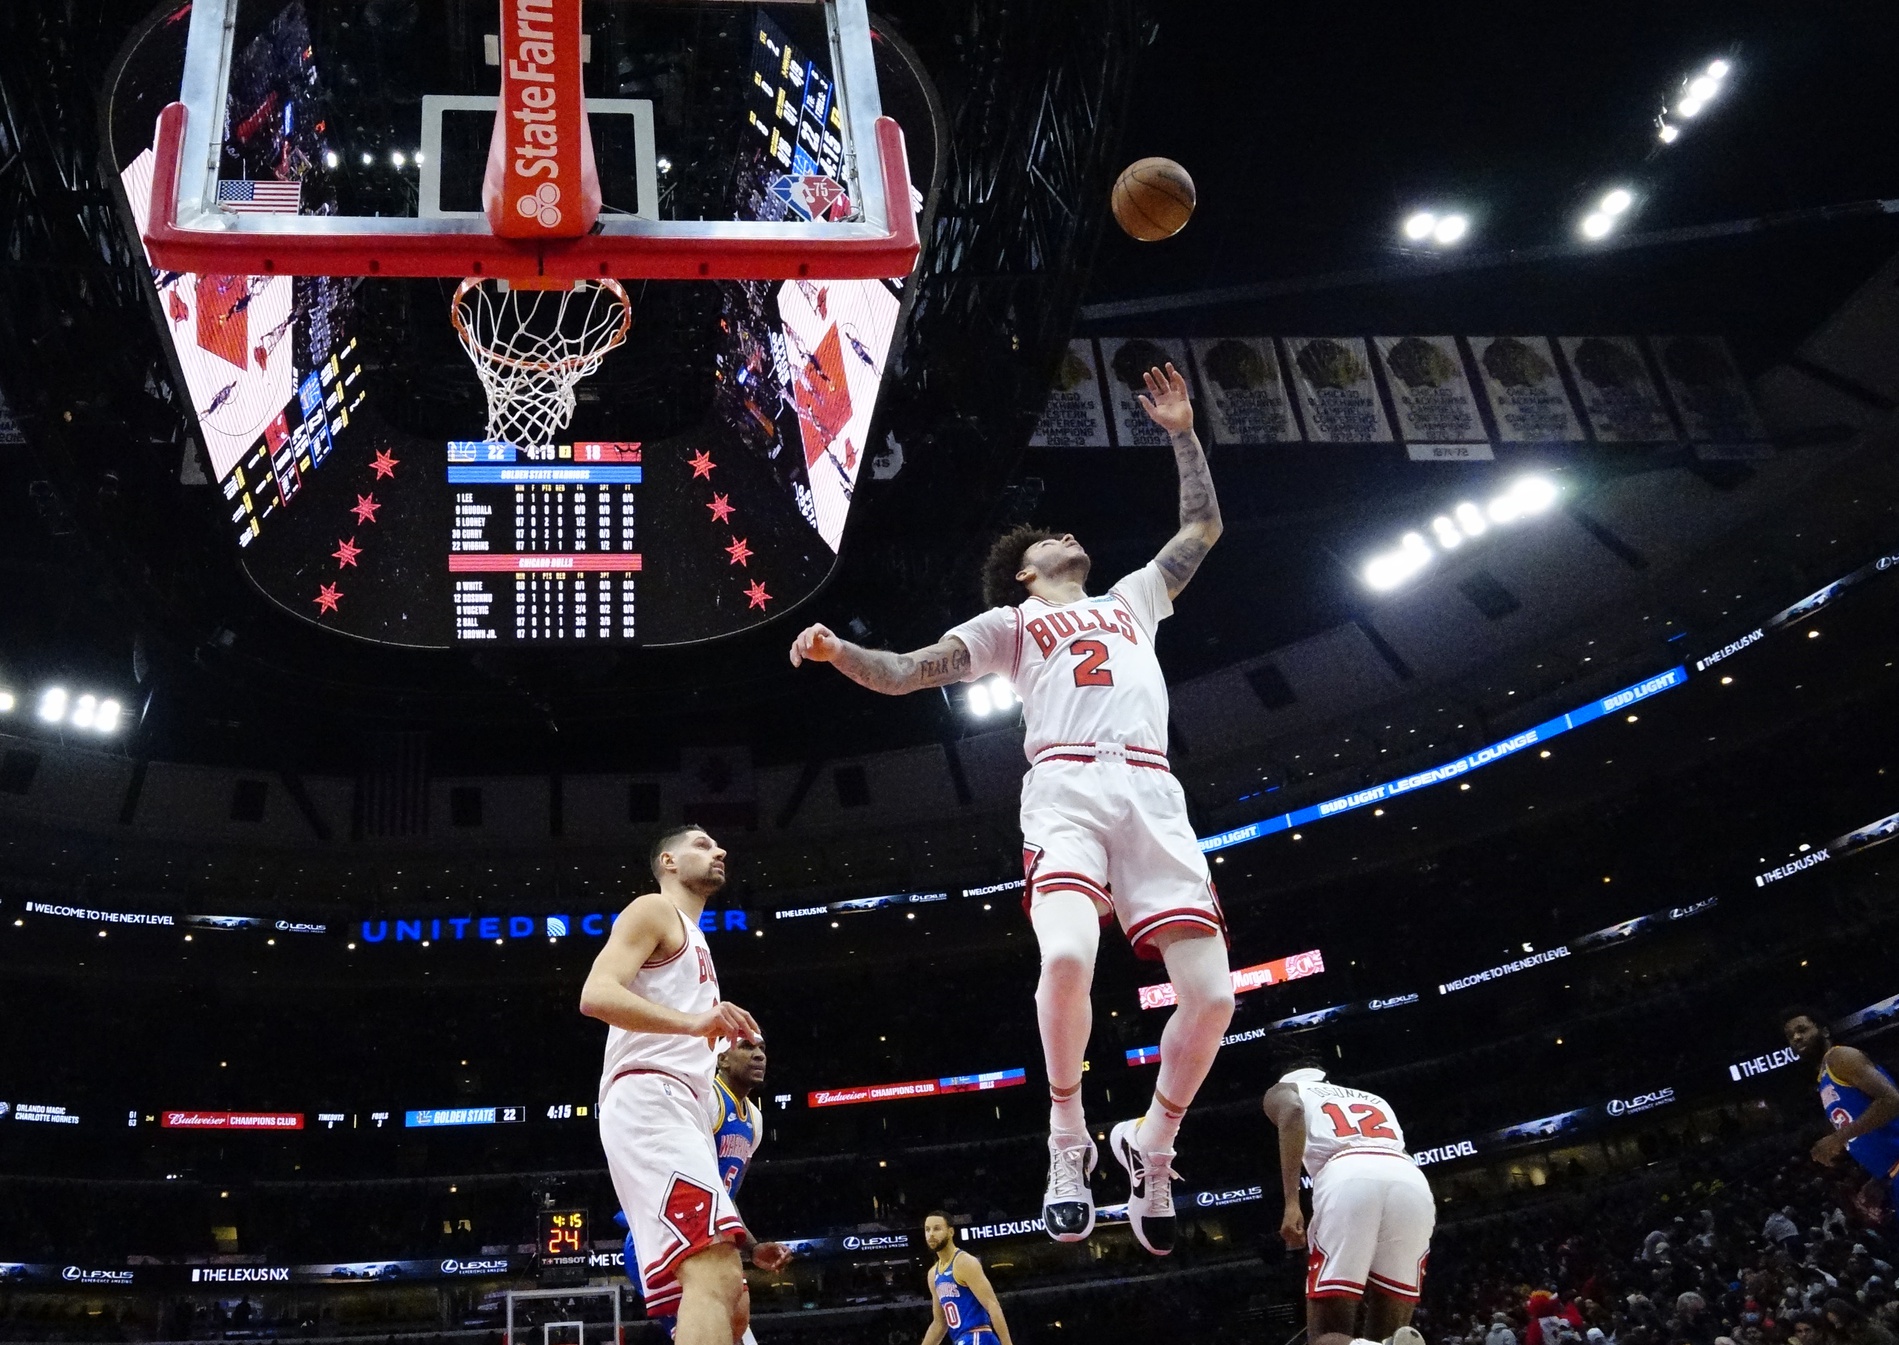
1310	138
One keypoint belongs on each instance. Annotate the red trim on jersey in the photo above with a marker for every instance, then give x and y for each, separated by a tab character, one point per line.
1317	1287
1016	666
685	932
1143	942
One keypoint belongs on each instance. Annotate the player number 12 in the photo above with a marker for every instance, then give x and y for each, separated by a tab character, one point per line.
1370	1122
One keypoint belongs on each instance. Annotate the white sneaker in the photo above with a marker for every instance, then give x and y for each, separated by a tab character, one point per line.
1068	1206
1150	1189
1406	1335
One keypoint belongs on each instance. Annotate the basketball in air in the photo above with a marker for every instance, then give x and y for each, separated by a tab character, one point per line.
1152	199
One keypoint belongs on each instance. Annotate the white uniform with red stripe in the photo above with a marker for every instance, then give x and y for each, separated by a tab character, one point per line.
1101	812
1372	1210
658	1112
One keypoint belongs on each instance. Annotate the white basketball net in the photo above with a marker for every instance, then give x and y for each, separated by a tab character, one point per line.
530	347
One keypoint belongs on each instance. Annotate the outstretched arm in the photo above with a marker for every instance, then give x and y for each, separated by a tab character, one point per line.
944	662
1167	406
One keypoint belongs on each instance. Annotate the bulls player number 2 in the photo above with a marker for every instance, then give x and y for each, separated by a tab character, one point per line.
1093	670
1369	1123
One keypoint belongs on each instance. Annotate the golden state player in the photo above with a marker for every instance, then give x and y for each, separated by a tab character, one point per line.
1859	1098
964	1307
1104	823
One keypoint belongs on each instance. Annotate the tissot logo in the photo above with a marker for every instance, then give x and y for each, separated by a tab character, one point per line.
1661	1097
855	1244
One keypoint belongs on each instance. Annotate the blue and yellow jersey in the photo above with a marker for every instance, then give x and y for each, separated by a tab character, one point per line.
967	1319
1878	1151
740	1128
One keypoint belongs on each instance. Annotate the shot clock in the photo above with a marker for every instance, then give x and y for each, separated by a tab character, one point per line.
563	1247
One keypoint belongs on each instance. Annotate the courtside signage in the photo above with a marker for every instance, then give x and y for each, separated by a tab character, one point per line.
1282	969
1450	770
891	1092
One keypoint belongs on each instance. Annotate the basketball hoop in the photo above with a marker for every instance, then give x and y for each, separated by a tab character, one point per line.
531	346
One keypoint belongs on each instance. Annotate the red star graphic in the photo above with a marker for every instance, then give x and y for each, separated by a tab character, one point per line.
721	507
757	595
326	599
702	464
384	464
739	552
365	508
346	553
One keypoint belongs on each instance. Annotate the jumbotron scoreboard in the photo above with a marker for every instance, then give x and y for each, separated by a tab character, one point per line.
544	541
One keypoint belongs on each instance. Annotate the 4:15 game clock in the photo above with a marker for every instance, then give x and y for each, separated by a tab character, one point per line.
563	1247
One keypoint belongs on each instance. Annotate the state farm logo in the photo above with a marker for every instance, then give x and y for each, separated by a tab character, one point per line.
873	1244
542	204
1644	1102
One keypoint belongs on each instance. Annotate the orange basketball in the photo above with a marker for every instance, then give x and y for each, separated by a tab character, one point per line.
1153	199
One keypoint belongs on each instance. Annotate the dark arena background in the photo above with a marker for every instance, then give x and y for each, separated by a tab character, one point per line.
1537	713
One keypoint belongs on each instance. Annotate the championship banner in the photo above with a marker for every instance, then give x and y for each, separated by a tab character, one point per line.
1336	391
1242	391
1618	394
1430	390
1526	392
1126	362
541	180
1708	390
1074	415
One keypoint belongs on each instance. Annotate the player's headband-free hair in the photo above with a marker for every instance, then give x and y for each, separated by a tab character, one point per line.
1307	1074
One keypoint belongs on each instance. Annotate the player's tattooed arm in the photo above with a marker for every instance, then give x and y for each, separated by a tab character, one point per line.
1167	405
881	670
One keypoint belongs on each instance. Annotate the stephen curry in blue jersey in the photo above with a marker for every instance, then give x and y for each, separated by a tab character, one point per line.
965	1308
1859	1097
741	1126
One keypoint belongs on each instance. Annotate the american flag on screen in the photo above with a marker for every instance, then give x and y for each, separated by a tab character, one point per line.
260	198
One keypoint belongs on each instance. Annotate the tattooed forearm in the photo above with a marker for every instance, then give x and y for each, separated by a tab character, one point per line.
1200	524
899	674
1198	504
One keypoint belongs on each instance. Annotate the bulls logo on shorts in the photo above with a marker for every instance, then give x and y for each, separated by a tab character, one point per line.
688	1209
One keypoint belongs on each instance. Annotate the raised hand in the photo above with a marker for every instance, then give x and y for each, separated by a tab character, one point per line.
815	643
1166	400
725	1021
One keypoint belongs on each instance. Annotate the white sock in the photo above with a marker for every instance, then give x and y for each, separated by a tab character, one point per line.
1065	1116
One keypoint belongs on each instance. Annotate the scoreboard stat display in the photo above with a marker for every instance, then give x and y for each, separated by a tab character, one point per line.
543	545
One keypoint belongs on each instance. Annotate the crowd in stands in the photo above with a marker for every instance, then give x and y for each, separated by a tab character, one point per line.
1750	1248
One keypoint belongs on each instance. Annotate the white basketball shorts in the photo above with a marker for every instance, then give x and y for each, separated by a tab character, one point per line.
1116	831
657	1134
1372	1216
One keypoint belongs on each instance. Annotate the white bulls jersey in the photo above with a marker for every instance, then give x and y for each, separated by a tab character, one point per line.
1345	1120
1086	673
686	982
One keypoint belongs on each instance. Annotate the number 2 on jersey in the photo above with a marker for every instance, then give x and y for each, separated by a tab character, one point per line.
1370	1122
1093	670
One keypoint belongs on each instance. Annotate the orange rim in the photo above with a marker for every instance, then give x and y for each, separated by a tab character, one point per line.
613	287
